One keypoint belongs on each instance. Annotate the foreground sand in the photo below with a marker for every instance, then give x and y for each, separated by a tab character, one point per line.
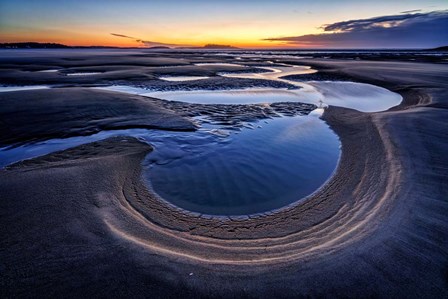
81	223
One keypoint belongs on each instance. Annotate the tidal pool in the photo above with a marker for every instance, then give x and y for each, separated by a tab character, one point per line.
273	73
262	167
182	78
19	88
257	170
359	96
13	154
236	96
48	71
83	74
217	64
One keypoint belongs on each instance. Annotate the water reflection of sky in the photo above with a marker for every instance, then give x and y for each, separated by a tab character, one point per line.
256	170
359	96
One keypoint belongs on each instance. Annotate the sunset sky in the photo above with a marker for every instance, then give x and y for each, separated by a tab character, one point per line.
251	24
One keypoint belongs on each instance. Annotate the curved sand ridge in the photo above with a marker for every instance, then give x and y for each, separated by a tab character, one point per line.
331	218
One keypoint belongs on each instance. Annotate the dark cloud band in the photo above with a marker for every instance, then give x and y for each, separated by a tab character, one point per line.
416	30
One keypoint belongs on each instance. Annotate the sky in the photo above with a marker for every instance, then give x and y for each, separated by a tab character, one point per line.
242	23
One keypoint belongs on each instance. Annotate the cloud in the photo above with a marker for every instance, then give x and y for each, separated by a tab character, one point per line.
411	11
364	24
416	30
147	43
121	35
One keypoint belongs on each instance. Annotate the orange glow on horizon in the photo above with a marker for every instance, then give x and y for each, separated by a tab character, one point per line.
124	42
238	35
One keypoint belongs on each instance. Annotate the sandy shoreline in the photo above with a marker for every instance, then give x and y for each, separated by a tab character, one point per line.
378	228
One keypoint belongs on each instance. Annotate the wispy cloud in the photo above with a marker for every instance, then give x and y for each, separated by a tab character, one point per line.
411	30
121	35
147	43
411	11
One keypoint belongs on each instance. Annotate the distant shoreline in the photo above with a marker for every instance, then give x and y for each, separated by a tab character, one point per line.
35	45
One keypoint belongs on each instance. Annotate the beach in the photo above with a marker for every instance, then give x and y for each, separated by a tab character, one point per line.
81	222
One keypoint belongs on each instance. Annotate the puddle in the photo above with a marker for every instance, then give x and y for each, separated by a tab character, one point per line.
83	74
217	64
359	96
182	78
238	96
274	73
19	88
9	155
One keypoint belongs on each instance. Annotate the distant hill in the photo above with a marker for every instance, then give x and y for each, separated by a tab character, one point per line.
444	48
214	46
158	48
32	45
211	47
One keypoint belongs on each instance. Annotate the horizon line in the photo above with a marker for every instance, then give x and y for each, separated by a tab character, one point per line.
224	47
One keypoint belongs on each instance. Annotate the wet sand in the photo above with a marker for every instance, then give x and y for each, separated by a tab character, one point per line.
82	223
64	112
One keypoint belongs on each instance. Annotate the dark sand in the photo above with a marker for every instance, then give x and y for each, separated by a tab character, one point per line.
81	223
136	69
64	112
